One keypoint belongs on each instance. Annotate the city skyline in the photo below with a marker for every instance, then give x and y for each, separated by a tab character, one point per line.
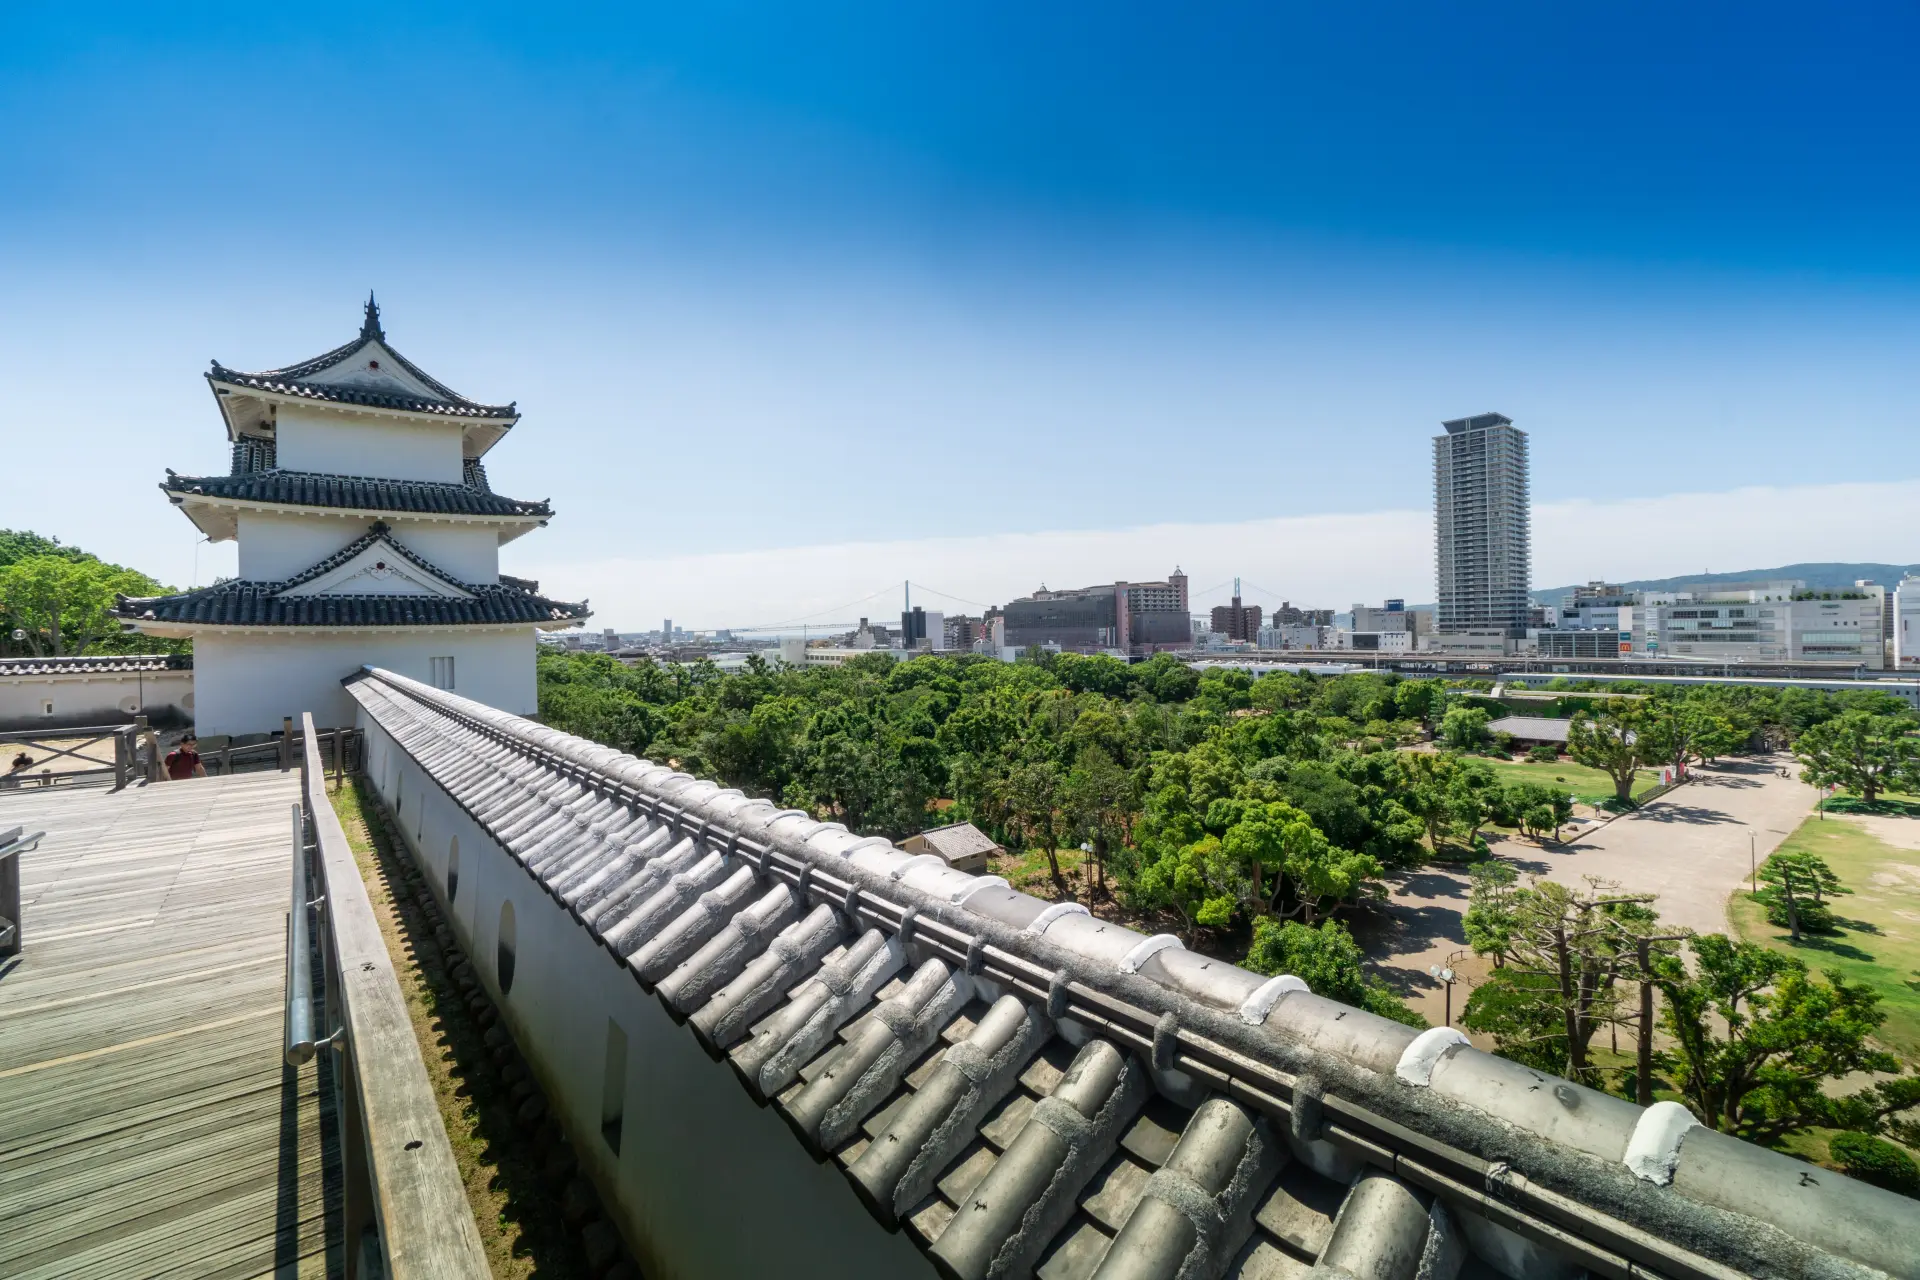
1329	561
891	253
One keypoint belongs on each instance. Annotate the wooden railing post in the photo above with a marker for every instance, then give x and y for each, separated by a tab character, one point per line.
12	929
122	753
143	734
286	743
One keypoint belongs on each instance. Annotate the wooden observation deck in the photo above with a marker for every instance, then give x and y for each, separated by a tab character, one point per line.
148	1123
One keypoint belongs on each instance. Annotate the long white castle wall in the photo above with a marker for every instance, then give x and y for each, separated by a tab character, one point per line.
274	546
108	697
247	682
705	1183
341	443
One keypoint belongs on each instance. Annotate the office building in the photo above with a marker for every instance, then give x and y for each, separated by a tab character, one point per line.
1236	621
1481	526
1294	635
1772	622
1393	615
1121	617
1587	642
913	627
962	631
1595	607
1288	616
1374	641
1906	624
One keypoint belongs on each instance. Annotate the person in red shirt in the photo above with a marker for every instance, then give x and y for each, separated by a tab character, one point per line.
183	761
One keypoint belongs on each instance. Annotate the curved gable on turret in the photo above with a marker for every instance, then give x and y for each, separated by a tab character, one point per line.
365	375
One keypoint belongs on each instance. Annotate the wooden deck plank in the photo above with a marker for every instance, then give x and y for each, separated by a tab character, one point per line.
147	1125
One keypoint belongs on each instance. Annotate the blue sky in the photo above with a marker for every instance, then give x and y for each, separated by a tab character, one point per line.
836	276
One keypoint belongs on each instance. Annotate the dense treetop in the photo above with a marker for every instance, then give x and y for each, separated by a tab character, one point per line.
60	599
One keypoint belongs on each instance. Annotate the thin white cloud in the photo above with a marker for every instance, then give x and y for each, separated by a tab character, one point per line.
1327	561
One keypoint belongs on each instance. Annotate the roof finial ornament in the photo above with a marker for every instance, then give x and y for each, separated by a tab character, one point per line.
370	328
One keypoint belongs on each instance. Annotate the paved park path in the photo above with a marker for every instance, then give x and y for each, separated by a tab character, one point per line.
1692	847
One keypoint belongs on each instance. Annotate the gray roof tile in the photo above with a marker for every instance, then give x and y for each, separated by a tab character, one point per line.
956	1143
354	493
241	603
295	380
96	664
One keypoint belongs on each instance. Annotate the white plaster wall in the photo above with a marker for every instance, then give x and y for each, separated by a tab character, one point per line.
247	683
705	1184
274	547
108	698
351	444
468	552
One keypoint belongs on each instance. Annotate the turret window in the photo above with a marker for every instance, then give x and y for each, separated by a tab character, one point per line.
441	671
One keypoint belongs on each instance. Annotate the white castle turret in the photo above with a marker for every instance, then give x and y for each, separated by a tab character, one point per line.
368	535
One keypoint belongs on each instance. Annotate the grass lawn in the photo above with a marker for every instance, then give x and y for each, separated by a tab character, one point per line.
514	1198
1878	941
1588	785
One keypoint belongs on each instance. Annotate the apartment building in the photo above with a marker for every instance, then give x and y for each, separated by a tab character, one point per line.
1482	529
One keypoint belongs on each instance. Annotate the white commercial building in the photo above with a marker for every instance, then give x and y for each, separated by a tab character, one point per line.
1775	622
368	534
1293	636
1392	616
1906	624
1395	641
796	652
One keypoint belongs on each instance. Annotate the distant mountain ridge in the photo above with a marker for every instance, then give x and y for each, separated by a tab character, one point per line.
1817	576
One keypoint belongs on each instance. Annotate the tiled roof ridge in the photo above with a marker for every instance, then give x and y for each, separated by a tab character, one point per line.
279	384
1426	1106
386	492
102	662
378	531
370	331
520	605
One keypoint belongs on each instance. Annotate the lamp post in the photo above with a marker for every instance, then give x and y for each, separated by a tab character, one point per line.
1447	979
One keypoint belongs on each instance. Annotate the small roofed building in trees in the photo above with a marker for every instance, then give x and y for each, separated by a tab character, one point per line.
368	535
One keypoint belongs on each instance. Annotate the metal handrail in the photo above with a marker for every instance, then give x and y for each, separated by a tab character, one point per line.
338	747
301	1037
12	844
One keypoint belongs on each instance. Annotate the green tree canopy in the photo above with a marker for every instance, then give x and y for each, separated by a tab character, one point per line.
1465	728
1612	742
1329	961
1566	953
1797	885
1759	1041
63	604
1863	752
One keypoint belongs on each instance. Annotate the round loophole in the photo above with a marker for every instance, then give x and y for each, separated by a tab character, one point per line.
503	953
